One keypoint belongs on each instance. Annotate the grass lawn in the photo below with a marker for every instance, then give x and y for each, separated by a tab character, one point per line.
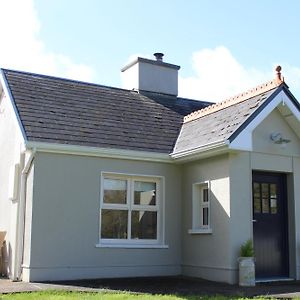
63	295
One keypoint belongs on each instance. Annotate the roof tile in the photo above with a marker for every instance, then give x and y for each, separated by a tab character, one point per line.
64	111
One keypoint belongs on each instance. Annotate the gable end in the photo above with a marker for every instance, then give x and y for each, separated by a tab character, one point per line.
7	92
241	139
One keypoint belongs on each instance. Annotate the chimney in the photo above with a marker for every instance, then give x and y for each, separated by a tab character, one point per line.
151	75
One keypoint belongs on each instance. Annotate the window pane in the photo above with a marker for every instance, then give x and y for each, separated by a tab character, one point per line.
114	224
205	216
144	193
144	225
205	195
115	191
273	206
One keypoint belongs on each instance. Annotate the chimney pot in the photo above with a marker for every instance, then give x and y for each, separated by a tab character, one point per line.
158	56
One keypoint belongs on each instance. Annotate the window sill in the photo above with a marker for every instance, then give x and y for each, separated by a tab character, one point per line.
200	231
131	246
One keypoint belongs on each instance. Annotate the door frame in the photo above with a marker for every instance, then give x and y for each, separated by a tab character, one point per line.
285	226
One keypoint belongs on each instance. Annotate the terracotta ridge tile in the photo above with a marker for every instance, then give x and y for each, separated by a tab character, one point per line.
262	88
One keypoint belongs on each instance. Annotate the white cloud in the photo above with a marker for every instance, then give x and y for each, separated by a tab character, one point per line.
22	48
218	75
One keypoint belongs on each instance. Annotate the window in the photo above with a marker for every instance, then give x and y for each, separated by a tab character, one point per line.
131	210
201	208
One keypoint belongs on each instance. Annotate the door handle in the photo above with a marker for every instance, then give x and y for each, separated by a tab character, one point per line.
253	221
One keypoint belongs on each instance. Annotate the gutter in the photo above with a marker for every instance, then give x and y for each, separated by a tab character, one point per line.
21	216
199	152
100	152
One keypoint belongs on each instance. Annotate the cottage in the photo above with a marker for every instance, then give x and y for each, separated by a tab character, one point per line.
100	182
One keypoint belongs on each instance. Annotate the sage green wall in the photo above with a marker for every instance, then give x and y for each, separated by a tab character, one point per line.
65	221
208	255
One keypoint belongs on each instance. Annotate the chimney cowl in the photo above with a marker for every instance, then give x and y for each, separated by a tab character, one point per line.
159	56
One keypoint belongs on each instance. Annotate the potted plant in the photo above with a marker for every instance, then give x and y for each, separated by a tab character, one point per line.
246	264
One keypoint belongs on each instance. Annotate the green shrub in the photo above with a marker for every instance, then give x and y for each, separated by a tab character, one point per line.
247	249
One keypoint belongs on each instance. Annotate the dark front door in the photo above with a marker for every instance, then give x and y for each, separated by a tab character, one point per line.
270	225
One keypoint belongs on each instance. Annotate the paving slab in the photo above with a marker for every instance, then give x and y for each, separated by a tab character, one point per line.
7	287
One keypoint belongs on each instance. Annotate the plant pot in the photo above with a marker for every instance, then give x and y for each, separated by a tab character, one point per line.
246	271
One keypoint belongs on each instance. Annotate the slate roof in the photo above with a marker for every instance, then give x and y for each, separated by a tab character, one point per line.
221	124
62	111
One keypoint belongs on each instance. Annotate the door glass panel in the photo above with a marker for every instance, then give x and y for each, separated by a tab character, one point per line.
273	206
256	198
273	190
257	205
265	198
256	190
265	190
265	205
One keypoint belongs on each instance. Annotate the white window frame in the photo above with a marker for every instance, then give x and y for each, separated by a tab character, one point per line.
130	206
198	205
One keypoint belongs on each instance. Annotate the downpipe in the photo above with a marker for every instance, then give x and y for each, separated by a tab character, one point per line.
20	228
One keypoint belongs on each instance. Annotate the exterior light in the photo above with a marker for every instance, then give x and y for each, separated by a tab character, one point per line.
277	138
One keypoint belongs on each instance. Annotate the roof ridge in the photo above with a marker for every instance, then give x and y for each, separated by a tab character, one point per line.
259	89
64	79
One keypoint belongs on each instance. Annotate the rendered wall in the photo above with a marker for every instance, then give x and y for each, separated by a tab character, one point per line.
208	255
11	142
154	77
65	221
275	123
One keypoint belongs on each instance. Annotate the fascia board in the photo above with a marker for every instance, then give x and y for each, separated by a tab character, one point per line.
8	94
99	152
243	141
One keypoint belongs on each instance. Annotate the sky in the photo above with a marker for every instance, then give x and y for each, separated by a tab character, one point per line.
224	47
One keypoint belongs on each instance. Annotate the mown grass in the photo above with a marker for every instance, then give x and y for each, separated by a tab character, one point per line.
64	295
